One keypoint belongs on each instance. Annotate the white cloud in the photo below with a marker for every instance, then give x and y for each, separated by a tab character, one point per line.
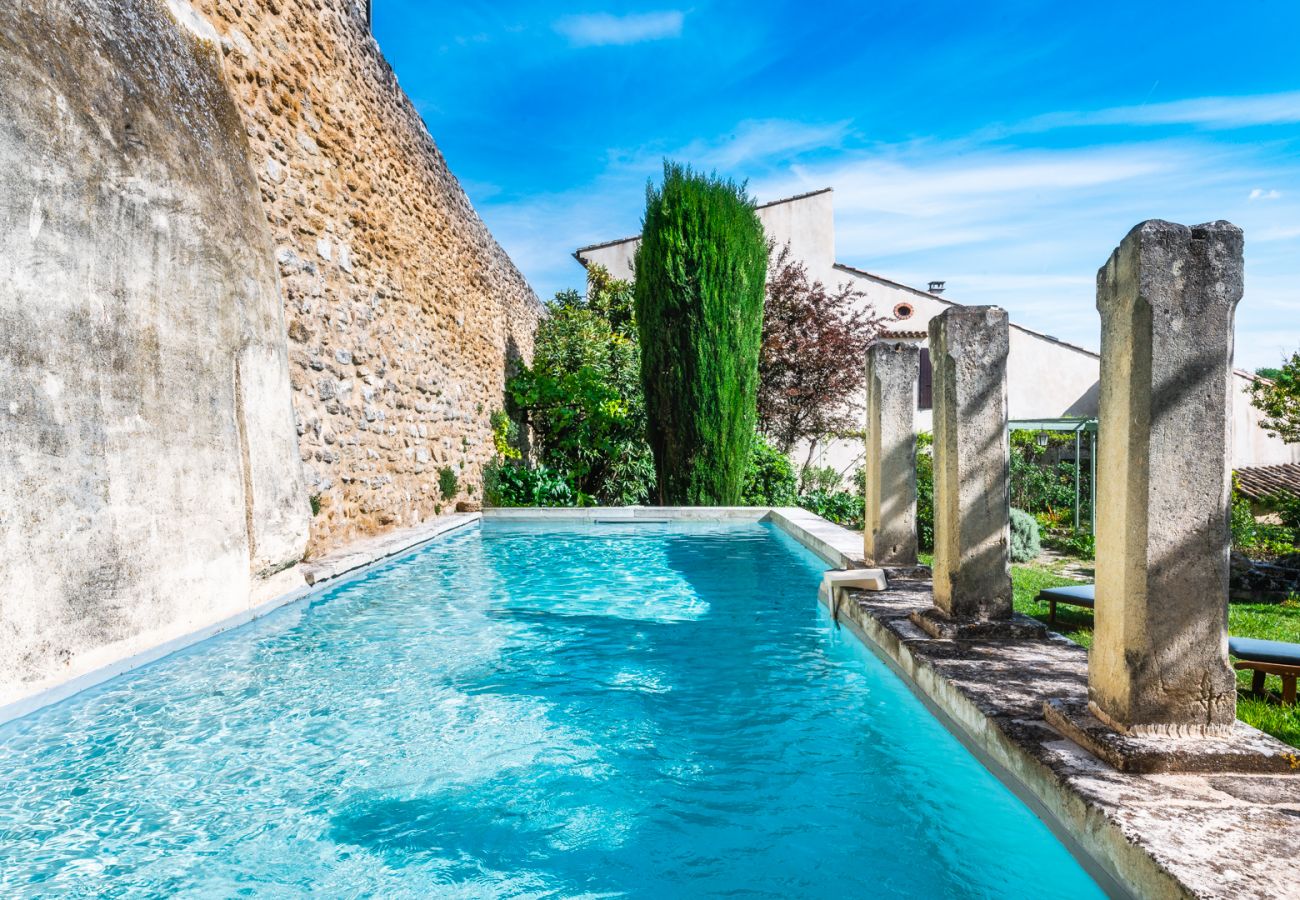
1203	112
1027	229
1261	194
1023	228
604	29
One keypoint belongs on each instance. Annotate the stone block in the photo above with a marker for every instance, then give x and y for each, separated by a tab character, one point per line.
889	537
1159	662
972	495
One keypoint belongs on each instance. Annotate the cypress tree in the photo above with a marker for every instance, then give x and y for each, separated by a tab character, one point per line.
700	279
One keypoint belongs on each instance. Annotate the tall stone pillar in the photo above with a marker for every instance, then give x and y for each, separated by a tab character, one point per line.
889	538
972	477
1159	661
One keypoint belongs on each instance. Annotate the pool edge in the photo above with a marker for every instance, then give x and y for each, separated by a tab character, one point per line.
1053	801
328	572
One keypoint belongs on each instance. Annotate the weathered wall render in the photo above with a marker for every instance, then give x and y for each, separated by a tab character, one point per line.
235	274
150	471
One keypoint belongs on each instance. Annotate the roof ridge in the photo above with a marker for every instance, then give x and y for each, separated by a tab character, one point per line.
944	300
636	237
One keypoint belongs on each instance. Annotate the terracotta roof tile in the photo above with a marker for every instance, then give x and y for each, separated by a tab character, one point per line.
1257	482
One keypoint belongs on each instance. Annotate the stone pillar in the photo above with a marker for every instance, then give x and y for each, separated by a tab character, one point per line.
889	538
972	468
1159	661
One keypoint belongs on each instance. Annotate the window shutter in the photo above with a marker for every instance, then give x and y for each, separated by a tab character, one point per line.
924	387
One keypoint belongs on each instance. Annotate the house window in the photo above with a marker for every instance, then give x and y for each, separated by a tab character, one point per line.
925	384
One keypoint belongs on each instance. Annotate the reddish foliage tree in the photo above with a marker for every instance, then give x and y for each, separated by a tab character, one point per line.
812	369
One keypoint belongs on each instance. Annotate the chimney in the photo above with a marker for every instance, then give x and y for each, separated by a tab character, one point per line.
936	287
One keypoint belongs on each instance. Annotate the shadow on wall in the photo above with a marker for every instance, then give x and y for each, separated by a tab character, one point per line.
514	363
1087	404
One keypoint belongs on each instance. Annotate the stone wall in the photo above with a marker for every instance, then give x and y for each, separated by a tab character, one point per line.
149	472
403	311
236	277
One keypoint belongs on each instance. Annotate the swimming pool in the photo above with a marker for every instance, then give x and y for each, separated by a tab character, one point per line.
523	709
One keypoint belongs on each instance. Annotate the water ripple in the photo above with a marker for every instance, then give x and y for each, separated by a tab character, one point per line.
521	711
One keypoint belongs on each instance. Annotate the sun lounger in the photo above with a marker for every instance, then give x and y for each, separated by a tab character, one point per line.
1268	658
1075	595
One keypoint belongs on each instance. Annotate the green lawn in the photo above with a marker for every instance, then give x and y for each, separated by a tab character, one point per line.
1272	621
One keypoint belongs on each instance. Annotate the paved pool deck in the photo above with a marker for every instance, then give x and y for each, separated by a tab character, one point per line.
1221	835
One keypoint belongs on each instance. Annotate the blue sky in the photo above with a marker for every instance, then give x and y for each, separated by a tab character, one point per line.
1005	148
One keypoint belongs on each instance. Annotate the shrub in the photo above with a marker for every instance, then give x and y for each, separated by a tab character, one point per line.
508	483
1025	541
1074	543
820	478
700	279
840	507
1242	518
769	479
582	394
1262	540
925	491
448	484
1287	507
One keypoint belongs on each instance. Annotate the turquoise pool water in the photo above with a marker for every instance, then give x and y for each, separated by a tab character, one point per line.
518	710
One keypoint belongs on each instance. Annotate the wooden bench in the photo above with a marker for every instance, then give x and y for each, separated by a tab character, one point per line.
1267	658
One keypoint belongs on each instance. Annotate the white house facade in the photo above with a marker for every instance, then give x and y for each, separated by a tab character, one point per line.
1047	378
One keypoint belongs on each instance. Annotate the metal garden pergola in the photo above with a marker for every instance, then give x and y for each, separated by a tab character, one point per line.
1079	427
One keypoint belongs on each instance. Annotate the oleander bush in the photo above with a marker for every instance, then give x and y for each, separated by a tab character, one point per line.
512	483
582	397
841	507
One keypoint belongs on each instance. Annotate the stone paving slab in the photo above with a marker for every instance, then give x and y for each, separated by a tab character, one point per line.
1225	835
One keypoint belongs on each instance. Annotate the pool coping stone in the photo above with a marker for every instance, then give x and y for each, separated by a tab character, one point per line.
1230	835
308	578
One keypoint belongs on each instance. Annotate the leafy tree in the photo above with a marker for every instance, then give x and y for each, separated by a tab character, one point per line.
700	272
582	394
1279	400
811	372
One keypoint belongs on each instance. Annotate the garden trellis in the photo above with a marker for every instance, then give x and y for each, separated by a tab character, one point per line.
1079	427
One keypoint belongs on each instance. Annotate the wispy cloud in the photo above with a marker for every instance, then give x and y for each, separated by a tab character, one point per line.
751	148
1200	112
604	29
762	141
1022	227
1027	228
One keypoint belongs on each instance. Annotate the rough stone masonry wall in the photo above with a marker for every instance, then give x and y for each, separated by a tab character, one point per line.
235	272
149	474
403	312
